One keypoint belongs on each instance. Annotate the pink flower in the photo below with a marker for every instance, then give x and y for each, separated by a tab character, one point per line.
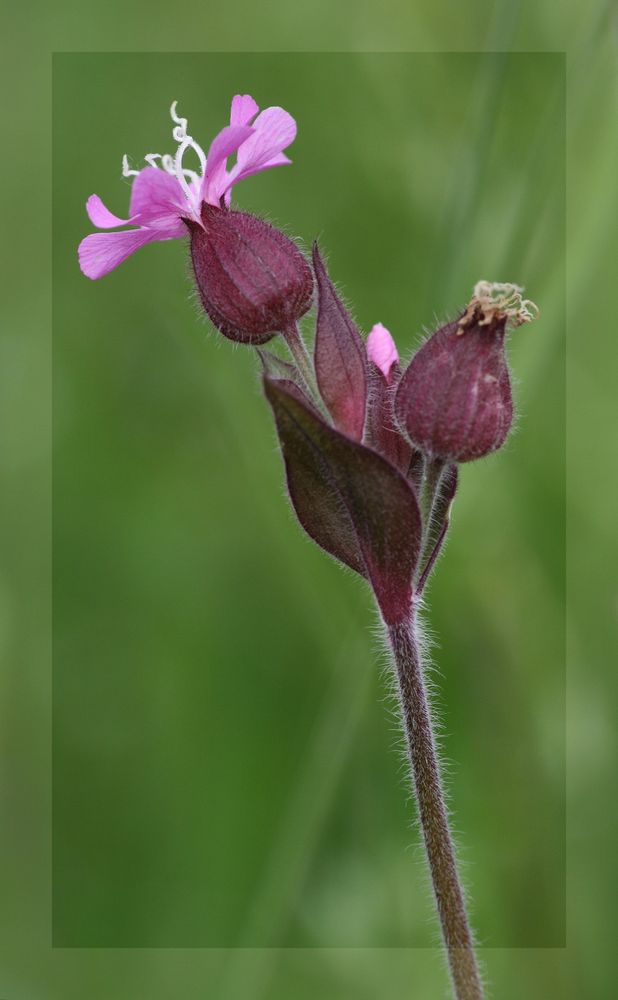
165	192
381	350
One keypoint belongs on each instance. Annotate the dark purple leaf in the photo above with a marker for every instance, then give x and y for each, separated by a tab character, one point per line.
340	359
349	500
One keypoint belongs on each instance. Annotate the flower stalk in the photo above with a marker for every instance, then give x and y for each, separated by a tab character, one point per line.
432	478
298	349
416	719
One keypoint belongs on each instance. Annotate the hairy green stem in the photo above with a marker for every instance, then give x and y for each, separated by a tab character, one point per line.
433	814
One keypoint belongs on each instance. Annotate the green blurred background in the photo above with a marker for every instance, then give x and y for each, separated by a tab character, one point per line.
218	783
224	771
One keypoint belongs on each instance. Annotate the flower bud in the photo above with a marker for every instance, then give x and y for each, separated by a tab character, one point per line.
384	373
454	400
253	281
382	352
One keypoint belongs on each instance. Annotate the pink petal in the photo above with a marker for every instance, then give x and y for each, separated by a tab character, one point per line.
223	145
243	110
100	216
279	160
100	253
381	350
274	130
158	201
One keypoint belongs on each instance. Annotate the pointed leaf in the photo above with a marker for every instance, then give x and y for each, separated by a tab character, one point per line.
349	500
340	363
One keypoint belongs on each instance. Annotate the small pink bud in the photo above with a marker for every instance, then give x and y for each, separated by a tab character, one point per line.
381	350
252	279
381	432
454	399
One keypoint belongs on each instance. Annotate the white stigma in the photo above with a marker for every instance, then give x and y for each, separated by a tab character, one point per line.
189	180
126	171
186	142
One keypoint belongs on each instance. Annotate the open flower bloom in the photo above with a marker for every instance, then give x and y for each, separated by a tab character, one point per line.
166	192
